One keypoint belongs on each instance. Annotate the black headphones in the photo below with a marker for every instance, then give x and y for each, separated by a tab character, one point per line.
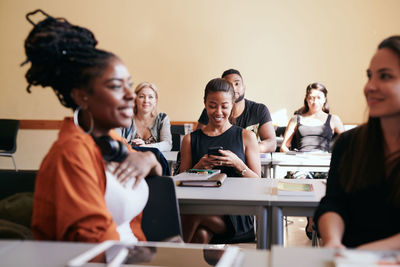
112	150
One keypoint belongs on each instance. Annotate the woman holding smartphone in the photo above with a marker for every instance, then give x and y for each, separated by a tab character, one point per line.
238	158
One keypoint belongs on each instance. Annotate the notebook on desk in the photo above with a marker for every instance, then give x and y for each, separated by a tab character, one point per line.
115	253
200	178
295	189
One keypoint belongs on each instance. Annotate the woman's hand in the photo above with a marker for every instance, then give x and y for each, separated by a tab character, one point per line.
138	142
137	165
227	158
206	162
334	244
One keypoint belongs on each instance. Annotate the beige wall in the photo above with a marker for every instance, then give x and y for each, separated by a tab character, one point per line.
279	46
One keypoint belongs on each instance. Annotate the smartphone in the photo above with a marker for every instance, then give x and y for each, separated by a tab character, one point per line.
214	150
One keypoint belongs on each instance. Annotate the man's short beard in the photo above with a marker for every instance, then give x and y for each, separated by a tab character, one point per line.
240	98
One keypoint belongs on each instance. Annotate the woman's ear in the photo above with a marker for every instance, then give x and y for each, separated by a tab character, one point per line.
80	97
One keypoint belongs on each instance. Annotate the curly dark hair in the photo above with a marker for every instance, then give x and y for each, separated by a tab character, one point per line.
231	71
62	56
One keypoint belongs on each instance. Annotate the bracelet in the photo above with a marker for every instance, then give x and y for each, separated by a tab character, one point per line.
243	172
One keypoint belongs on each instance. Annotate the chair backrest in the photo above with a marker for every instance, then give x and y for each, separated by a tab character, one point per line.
12	182
177	131
16	202
8	135
161	218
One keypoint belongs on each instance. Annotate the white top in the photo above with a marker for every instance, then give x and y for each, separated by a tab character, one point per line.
125	203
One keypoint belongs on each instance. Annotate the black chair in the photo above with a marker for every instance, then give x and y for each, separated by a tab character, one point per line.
280	131
8	138
16	202
12	182
177	131
161	219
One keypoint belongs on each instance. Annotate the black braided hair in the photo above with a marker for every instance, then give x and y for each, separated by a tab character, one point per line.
63	56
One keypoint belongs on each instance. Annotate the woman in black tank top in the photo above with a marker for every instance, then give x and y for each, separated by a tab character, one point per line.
312	126
238	158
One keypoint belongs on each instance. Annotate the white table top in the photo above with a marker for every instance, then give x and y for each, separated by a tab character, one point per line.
250	196
254	191
305	256
301	159
37	253
57	254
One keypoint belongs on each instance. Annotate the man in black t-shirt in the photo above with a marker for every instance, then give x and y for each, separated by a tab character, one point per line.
247	114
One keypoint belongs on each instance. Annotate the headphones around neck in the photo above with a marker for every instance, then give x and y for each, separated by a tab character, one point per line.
112	150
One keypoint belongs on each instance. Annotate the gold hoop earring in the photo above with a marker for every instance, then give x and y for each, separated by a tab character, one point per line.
76	121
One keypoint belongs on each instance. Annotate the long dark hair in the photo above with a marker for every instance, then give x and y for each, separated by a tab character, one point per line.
62	56
364	163
314	86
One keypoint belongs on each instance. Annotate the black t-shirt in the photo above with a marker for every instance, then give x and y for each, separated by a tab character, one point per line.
253	116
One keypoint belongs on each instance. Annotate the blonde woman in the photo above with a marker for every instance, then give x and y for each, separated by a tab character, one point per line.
148	128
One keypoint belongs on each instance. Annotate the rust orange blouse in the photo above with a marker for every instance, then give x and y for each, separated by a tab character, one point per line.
69	202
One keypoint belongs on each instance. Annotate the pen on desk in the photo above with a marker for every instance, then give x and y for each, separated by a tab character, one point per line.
200	170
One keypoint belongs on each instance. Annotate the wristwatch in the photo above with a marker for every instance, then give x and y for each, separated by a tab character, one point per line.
243	171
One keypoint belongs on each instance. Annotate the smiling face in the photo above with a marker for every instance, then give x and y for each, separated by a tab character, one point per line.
146	100
219	107
315	100
382	90
110	99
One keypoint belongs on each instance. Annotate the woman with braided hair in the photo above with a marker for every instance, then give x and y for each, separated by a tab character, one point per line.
90	185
